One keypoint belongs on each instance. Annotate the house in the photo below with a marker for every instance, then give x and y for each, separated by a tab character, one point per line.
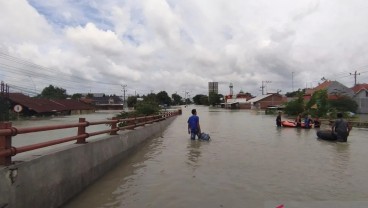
237	101
29	106
106	102
264	101
334	90
361	97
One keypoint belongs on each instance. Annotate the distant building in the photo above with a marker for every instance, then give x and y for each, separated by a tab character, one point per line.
246	101
105	102
264	101
361	97
212	87
334	90
28	106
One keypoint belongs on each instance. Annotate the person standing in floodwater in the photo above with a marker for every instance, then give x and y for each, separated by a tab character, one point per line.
193	125
278	120
341	129
298	120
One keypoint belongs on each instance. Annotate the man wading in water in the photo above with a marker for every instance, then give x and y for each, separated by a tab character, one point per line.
193	125
341	129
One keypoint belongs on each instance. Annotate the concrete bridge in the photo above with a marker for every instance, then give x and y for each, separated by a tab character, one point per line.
55	176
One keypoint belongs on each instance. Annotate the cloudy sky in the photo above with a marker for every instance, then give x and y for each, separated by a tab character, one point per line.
180	46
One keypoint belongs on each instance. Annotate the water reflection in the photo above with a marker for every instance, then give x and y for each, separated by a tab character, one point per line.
194	152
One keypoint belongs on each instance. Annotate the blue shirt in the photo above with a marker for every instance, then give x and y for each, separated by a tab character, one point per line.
193	122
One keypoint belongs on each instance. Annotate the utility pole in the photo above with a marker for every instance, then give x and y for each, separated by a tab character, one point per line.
263	86
355	77
124	90
292	81
185	97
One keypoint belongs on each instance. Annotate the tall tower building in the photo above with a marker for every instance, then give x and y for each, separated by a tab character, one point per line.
212	87
231	89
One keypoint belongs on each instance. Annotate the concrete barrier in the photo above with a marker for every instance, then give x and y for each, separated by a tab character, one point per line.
53	178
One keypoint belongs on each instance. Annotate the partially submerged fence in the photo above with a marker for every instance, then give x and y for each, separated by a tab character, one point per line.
7	132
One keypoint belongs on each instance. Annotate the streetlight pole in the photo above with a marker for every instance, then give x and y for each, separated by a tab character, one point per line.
124	103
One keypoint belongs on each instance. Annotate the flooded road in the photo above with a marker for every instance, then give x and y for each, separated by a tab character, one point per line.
248	163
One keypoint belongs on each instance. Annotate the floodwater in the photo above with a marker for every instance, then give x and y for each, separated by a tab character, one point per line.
43	136
248	163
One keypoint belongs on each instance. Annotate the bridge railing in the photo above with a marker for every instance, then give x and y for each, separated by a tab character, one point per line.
7	132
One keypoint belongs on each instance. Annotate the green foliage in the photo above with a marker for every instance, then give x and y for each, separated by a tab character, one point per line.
296	106
163	98
204	100
318	104
214	98
146	108
52	92
344	104
132	101
76	96
150	98
177	99
200	99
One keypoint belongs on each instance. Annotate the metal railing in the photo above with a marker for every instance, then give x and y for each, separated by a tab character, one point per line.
7	132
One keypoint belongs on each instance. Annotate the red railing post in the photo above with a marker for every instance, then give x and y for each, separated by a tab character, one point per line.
81	130
114	126
5	143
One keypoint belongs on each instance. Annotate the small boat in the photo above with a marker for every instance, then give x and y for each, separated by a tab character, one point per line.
326	135
288	123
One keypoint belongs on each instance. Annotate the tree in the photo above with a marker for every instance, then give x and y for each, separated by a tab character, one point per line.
214	98
132	101
200	99
163	98
344	104
147	108
197	99
76	96
204	100
150	98
177	99
318	105
52	92
296	106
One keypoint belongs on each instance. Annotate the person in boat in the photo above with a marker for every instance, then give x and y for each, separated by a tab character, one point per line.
278	119
194	128
316	123
298	120
341	128
307	121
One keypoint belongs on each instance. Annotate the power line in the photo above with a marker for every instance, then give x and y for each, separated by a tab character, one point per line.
355	77
263	86
13	67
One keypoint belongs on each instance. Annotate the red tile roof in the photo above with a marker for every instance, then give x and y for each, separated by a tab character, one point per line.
323	86
359	87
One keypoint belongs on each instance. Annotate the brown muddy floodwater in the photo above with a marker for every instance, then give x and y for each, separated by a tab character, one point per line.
248	163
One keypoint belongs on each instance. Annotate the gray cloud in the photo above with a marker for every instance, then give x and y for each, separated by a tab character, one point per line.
179	46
